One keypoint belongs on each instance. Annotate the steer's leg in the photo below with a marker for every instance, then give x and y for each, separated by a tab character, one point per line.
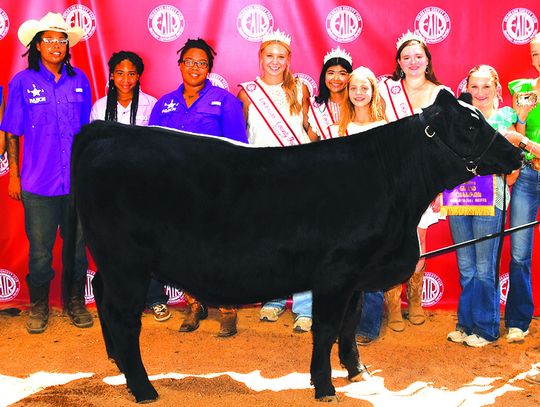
97	286
123	303
327	315
348	350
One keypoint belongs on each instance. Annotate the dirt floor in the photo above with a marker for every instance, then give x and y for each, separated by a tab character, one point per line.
416	367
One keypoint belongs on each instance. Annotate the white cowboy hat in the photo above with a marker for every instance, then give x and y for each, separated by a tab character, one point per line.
51	22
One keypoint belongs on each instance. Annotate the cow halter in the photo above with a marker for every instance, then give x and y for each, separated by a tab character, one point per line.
470	165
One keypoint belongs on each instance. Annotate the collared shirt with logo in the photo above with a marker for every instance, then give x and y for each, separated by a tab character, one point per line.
48	114
216	112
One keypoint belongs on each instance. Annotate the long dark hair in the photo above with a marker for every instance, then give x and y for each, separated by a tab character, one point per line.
34	56
398	72
324	92
112	94
200	44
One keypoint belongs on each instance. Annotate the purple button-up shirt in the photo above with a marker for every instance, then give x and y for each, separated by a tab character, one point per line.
48	114
216	112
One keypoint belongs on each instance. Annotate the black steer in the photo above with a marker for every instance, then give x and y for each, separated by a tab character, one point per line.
238	225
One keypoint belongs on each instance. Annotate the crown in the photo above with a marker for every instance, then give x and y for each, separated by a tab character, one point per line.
338	53
408	36
277	35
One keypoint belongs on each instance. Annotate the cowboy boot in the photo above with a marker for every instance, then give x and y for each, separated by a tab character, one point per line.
393	304
196	312
38	317
228	322
76	307
414	296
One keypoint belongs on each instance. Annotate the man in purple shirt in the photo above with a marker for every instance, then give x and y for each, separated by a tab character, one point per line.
197	106
48	103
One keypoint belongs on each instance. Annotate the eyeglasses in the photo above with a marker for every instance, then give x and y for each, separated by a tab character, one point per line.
63	41
190	62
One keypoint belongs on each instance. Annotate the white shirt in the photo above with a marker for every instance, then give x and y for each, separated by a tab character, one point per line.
146	103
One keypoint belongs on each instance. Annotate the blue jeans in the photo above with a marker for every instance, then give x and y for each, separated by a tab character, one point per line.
372	314
43	215
523	209
156	294
479	303
301	304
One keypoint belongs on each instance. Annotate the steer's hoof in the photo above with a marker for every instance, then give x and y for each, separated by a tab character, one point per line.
146	396
328	399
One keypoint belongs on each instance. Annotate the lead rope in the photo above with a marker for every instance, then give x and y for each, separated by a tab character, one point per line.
501	236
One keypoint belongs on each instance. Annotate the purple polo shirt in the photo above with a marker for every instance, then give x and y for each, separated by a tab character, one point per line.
216	112
48	114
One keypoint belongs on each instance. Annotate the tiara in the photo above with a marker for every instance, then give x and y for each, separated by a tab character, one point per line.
338	53
277	35
409	36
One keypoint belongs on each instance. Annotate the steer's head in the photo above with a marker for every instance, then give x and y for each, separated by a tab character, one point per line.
464	133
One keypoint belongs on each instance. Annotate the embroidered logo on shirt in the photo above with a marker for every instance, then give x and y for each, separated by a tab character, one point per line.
36	93
169	107
78	90
215	103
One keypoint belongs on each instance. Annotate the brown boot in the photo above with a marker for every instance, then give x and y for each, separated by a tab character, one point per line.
38	318
76	307
393	303
196	312
228	322
414	295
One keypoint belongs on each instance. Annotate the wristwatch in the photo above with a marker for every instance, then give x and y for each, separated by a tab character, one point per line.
523	143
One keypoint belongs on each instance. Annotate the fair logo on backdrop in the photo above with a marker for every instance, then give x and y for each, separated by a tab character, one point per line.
504	285
254	21
82	16
344	24
433	23
218	80
433	289
308	81
4	165
462	87
175	295
519	25
88	290
166	23
4	24
10	285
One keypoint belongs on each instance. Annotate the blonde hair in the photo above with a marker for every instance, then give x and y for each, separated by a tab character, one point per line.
376	104
535	39
494	77
289	81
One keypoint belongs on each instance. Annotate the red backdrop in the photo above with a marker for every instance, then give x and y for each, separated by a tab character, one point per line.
460	34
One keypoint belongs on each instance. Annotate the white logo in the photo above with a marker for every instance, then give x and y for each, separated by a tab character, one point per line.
35	92
176	296
519	25
10	285
4	165
433	289
81	16
254	21
166	23
433	23
4	23
504	286
462	87
88	290
218	80
308	81
344	24
169	107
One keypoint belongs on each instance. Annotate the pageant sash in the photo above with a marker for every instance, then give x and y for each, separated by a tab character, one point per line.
475	197
275	121
397	101
323	118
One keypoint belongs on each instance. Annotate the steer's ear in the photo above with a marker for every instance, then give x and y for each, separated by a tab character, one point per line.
445	97
466	97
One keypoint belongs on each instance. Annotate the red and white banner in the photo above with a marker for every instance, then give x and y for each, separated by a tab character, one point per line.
460	35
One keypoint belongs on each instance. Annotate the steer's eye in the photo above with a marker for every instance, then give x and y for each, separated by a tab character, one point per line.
471	129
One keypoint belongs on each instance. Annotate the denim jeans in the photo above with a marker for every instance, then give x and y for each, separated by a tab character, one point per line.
301	304
479	303
156	293
523	209
43	215
372	314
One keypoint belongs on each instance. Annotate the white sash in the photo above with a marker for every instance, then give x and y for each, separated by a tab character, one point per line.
275	121
323	118
398	105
